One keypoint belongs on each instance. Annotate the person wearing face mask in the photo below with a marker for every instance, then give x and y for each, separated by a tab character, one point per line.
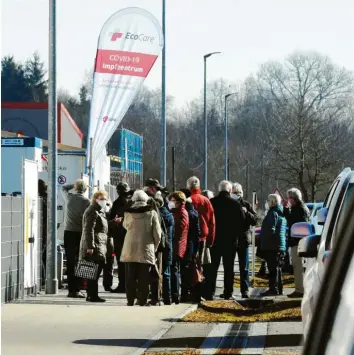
140	245
117	231
93	245
176	204
245	237
75	205
108	267
153	189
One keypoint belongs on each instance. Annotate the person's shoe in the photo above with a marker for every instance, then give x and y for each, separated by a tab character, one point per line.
130	304
175	300
118	290
209	297
269	293
95	299
167	302
144	304
154	303
108	289
246	295
228	298
75	295
296	294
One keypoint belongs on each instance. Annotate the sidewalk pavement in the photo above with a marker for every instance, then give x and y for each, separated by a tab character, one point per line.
56	325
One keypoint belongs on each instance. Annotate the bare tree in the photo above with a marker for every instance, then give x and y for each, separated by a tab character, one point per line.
309	98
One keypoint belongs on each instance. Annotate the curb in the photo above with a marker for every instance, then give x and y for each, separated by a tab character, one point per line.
164	330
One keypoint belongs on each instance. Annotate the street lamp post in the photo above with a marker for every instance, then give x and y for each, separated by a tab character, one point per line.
51	271
226	122
163	99
206	56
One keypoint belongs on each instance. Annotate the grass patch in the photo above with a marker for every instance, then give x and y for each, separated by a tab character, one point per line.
230	311
262	282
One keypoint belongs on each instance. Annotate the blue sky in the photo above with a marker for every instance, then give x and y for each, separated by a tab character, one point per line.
247	32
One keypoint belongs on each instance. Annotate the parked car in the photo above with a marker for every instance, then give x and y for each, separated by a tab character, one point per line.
318	246
331	330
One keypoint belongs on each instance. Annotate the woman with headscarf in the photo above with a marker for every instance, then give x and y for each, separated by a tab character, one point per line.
140	245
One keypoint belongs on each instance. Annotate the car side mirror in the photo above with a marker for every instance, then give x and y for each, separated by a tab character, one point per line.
308	246
322	216
302	229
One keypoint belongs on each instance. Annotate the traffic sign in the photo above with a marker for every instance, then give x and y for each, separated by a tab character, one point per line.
61	179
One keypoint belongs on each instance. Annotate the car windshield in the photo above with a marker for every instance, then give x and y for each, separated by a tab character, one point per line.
342	210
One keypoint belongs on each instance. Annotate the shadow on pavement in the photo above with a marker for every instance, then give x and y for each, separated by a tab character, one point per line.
283	340
272	341
191	342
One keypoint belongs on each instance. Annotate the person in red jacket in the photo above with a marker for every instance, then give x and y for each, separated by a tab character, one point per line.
177	202
207	227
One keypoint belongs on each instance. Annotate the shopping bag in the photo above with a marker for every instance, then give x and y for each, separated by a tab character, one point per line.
86	270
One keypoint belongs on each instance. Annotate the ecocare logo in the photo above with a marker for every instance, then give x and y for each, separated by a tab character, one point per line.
131	36
107	118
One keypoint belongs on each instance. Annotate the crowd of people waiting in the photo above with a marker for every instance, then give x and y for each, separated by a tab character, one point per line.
169	247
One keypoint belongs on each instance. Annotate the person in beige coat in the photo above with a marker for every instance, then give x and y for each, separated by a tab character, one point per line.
140	245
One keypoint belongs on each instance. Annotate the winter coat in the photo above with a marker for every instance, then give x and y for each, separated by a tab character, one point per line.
169	222
206	216
94	233
193	231
117	231
230	220
295	214
180	239
273	232
251	218
75	207
143	234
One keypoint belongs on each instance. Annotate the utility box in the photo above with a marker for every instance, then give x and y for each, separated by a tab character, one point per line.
13	152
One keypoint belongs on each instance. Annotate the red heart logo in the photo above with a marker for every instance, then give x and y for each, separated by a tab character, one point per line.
105	118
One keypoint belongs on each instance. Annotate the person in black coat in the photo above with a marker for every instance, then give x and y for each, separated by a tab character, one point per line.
245	238
296	211
117	231
230	221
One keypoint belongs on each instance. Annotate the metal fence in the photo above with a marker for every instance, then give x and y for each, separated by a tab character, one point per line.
12	249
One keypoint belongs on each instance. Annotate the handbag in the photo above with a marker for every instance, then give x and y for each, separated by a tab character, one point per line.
197	275
86	270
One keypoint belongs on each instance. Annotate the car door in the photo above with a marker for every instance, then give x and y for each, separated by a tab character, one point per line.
331	331
333	204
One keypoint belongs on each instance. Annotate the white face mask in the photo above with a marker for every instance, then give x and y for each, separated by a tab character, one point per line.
236	197
171	205
102	203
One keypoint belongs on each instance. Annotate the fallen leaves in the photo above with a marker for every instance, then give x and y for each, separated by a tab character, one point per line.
230	311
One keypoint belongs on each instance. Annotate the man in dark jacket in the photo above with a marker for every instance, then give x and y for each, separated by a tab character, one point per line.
117	231
153	190
245	239
273	244
295	212
230	221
